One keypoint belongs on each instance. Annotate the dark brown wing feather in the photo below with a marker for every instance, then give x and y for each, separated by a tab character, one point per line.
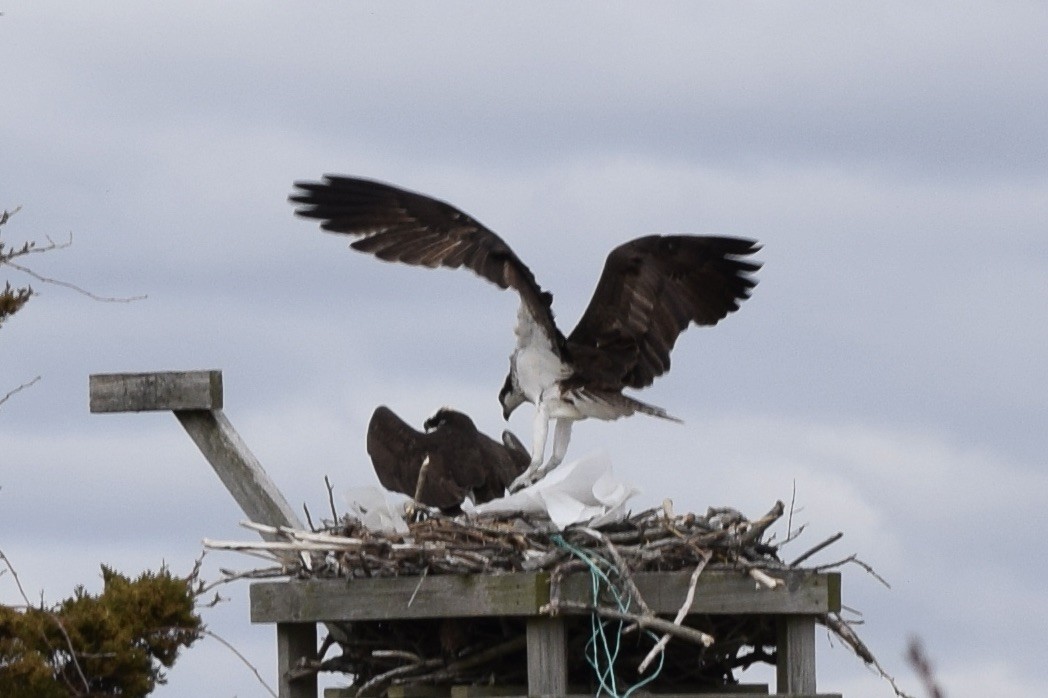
397	225
651	289
397	452
503	463
461	459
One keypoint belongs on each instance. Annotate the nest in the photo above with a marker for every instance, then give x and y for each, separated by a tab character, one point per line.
379	655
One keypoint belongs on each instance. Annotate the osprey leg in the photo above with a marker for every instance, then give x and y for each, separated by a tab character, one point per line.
540	430
561	437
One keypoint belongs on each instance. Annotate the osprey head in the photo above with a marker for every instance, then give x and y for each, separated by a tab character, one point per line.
510	396
447	416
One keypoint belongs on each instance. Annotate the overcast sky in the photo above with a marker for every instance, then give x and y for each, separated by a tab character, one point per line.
891	157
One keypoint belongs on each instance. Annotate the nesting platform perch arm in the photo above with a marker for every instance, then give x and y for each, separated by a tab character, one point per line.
195	397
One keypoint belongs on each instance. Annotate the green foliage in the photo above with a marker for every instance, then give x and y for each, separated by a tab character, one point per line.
12	299
113	644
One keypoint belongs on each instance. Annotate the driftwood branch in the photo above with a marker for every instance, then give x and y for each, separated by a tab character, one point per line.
814	549
848	636
689	599
854	560
757	528
650	622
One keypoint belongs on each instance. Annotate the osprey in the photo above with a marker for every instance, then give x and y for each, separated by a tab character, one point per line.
448	462
652	288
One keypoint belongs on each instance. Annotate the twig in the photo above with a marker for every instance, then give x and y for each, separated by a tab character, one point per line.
455	668
7	214
757	528
422	578
229	576
397	654
811	551
921	665
652	622
388	676
689	599
763	578
848	636
19	389
66	284
331	499
621	568
853	559
242	658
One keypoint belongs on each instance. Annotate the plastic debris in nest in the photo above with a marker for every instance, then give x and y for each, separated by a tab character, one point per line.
585	491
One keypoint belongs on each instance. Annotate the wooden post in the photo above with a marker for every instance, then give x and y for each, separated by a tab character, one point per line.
795	673
295	642
547	657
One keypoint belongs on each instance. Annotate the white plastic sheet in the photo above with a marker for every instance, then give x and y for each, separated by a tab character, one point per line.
582	491
372	506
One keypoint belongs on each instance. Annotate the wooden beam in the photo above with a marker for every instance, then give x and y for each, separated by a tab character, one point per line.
726	592
522	594
433	596
237	467
171	390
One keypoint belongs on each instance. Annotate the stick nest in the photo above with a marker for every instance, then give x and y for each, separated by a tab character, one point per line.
379	655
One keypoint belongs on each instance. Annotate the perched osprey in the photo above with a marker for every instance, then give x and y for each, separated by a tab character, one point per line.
448	462
651	289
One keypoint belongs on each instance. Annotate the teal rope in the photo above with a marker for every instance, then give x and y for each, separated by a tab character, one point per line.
600	653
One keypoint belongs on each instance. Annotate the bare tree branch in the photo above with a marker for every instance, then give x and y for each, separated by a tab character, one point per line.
19	389
58	282
242	658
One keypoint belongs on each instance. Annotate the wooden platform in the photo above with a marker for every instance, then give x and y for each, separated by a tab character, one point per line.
296	606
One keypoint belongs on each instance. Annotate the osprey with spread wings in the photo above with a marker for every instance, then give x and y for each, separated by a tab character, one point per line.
652	288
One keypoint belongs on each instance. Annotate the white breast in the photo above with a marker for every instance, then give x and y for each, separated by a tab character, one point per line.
536	364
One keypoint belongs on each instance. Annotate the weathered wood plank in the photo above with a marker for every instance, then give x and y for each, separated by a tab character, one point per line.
795	672
547	657
296	641
171	390
435	596
720	592
237	467
521	594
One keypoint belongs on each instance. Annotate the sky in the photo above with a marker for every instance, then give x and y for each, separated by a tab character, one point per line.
888	376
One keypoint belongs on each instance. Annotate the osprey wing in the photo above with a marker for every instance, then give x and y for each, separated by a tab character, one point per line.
650	291
397	225
397	452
